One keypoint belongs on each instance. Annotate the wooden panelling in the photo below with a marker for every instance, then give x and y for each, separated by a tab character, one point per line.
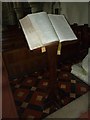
13	39
20	60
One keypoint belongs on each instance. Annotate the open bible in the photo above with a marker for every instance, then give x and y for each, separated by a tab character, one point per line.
41	29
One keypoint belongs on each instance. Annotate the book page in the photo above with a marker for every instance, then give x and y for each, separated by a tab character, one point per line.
38	30
62	28
30	33
43	27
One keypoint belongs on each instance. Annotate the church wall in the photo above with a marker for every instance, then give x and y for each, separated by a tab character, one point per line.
75	12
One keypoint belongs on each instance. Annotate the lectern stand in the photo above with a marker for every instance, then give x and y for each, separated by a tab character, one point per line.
52	66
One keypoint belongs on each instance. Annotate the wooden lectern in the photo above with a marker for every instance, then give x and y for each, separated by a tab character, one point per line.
42	29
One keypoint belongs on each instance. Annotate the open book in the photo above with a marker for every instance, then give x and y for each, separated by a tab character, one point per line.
41	29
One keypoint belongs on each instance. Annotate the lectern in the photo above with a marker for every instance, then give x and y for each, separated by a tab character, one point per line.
46	31
52	66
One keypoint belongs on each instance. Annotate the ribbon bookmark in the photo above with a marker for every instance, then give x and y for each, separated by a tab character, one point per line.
43	49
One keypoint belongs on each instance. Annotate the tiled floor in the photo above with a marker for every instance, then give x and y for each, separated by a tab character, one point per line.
29	93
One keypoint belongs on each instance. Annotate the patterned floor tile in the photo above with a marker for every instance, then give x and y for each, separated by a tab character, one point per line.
37	98
30	95
31	114
20	94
